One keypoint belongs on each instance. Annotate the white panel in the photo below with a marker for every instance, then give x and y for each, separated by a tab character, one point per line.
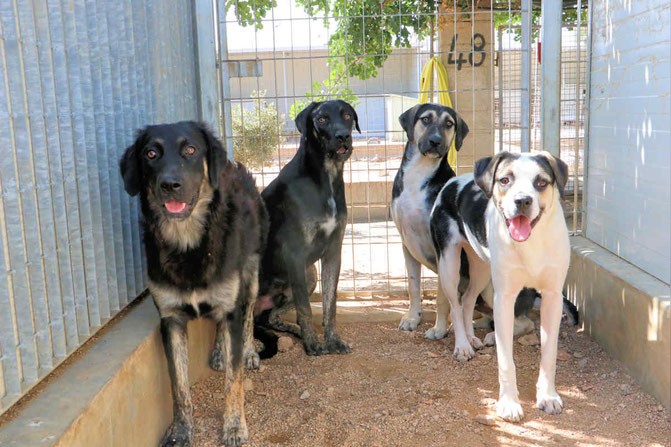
629	157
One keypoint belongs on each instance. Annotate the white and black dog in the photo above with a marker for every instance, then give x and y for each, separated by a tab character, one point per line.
507	215
423	172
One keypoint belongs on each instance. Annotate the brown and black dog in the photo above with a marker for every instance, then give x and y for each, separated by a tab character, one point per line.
205	227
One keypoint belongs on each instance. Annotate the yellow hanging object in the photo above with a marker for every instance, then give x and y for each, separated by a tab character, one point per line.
443	94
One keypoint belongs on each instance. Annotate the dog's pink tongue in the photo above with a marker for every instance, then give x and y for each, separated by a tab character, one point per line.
342	150
519	228
175	206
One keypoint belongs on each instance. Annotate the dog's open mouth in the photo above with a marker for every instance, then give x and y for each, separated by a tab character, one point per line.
342	150
520	227
177	209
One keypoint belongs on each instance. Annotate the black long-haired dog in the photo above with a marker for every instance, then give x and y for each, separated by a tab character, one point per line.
205	227
308	215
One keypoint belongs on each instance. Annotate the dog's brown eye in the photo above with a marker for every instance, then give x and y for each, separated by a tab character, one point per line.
504	181
449	124
189	150
347	116
151	154
322	120
426	119
541	183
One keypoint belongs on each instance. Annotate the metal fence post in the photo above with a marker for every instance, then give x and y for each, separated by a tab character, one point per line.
551	75
204	24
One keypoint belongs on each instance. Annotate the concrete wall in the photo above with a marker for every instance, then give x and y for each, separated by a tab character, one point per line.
629	155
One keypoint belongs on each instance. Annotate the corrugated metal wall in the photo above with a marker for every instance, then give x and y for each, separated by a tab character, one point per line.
629	160
77	78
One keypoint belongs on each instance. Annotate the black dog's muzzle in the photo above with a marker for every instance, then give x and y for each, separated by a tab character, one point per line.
433	145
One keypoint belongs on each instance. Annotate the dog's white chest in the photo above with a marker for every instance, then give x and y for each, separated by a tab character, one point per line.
330	224
411	212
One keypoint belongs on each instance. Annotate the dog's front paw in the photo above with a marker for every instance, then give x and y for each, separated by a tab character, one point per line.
490	339
313	346
409	322
550	403
435	333
252	359
463	352
217	361
475	342
509	409
335	345
179	434
235	434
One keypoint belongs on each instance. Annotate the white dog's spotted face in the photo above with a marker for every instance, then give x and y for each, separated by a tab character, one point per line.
522	187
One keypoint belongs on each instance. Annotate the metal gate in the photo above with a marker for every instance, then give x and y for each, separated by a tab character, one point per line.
274	62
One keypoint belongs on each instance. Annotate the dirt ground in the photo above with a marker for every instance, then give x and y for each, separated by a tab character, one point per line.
399	389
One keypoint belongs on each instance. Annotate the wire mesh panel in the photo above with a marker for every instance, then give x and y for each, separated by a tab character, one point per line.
276	59
370	53
77	78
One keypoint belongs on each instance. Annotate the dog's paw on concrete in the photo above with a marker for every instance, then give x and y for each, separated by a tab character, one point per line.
179	434
409	322
549	403
235	434
217	361
509	409
435	333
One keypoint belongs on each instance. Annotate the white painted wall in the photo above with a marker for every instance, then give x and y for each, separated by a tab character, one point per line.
629	156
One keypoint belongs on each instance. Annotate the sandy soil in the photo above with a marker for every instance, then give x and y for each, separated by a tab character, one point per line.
399	389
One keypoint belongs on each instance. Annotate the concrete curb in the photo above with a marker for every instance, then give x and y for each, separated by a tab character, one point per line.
626	311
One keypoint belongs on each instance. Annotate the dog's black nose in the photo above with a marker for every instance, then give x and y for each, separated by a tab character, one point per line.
170	184
343	135
523	202
435	141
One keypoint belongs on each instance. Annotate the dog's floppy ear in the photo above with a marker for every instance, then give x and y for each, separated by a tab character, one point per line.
559	169
130	168
303	117
356	117
216	154
407	120
460	128
484	172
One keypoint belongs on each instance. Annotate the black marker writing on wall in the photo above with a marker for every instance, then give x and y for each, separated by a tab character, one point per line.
478	45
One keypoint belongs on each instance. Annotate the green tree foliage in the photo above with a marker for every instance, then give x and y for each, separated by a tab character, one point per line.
250	12
258	131
367	31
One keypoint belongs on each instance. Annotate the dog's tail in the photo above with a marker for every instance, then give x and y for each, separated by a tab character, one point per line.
269	340
571	312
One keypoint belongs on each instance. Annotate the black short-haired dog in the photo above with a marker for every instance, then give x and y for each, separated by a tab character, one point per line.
204	231
308	215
